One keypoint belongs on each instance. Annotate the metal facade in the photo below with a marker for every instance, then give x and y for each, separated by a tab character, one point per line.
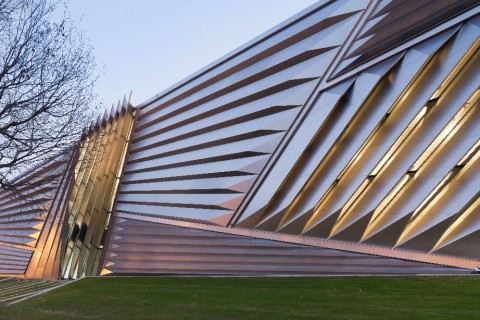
97	174
54	220
351	128
30	221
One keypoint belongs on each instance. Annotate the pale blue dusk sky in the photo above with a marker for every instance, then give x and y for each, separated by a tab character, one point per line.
145	46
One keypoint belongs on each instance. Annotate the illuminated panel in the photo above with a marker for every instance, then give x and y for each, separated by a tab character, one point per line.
385	167
97	172
30	215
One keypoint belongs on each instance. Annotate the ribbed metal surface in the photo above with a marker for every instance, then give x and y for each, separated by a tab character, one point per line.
139	247
353	126
197	150
396	161
386	156
29	215
394	22
23	211
97	171
14	261
55	220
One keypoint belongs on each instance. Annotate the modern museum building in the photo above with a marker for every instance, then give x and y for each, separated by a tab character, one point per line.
345	140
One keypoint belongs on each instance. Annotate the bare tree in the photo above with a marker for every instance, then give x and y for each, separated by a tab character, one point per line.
47	74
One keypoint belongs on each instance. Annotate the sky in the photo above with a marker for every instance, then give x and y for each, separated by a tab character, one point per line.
146	46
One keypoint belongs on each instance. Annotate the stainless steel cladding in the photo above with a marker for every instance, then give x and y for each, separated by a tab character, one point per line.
349	131
354	126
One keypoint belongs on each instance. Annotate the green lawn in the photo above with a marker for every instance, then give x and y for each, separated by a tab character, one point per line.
257	298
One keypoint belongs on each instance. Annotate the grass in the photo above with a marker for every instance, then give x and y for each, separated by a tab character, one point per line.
257	298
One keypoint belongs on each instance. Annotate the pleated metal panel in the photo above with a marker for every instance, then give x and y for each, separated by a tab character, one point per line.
345	140
38	218
197	150
139	247
394	163
392	23
355	123
31	220
14	261
97	172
